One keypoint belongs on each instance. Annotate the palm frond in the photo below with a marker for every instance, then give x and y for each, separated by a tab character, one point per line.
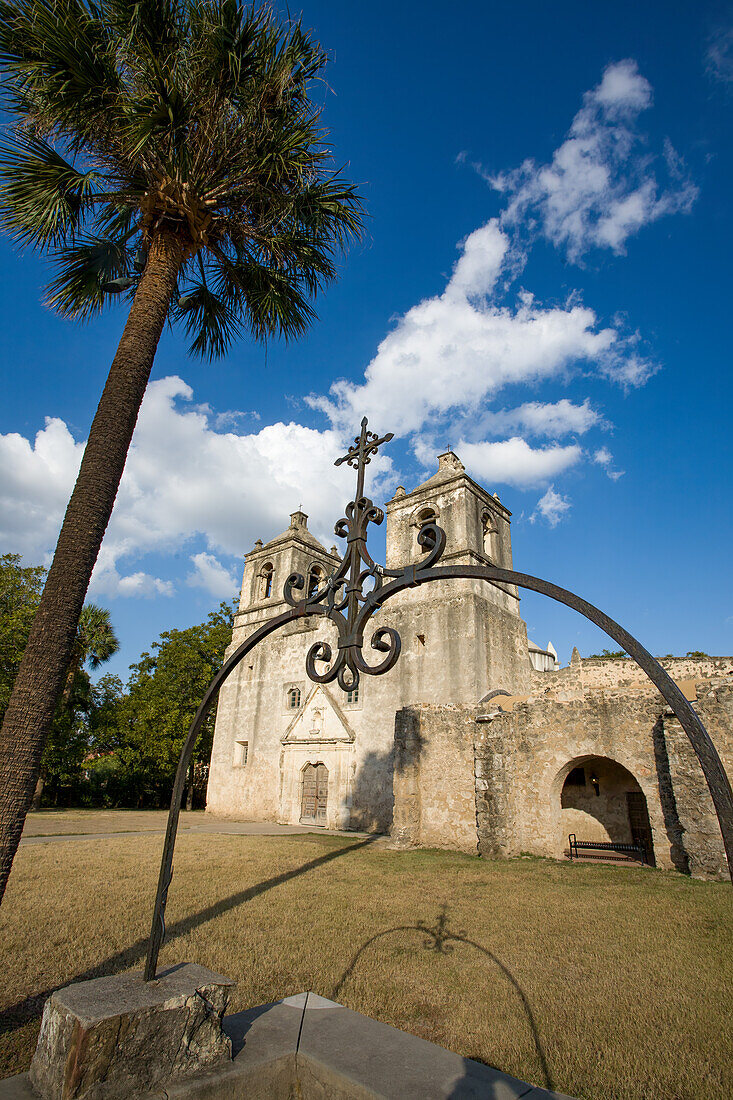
329	209
192	117
227	37
82	269
209	319
163	112
59	66
271	300
116	219
41	193
152	25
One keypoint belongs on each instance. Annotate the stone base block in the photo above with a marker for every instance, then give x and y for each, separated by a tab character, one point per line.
122	1037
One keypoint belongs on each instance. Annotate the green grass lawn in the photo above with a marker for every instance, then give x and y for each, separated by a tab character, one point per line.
607	983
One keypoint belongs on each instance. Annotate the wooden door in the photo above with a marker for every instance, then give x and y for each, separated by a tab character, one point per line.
314	800
641	832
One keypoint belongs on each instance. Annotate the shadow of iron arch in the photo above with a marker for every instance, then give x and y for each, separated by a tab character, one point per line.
412	577
440	938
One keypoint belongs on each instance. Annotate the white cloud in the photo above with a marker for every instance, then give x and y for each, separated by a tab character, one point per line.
603	457
514	462
601	185
438	372
182	479
719	55
451	353
134	584
537	418
481	260
210	574
455	352
35	483
552	507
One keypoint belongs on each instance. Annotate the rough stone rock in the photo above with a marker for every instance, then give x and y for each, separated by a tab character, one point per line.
120	1036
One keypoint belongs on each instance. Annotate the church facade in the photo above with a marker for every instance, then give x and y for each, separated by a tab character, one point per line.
412	752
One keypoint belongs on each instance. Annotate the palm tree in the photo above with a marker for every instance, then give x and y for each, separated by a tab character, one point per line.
95	643
171	151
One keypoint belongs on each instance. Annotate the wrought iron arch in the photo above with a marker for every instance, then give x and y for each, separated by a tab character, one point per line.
343	600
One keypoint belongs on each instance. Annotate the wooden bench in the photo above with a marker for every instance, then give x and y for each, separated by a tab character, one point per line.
578	846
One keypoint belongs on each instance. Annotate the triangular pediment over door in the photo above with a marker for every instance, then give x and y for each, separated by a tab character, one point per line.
319	721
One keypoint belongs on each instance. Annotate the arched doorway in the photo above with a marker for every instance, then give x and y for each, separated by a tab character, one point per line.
601	800
314	795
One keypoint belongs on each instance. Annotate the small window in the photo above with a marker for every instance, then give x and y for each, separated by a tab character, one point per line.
294	698
488	535
266	581
352	696
241	752
576	778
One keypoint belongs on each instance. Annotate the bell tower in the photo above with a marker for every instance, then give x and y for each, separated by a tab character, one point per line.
268	566
476	525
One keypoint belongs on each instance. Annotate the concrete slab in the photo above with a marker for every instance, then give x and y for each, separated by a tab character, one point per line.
348	1051
308	1046
268	1031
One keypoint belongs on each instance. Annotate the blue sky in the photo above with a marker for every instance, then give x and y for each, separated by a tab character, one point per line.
544	285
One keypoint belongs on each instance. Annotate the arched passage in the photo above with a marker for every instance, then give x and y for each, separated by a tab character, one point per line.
600	800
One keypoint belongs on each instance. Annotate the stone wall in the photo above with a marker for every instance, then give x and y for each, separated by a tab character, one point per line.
433	783
590	672
622	742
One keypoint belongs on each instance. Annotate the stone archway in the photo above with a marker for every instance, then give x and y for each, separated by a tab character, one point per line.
600	799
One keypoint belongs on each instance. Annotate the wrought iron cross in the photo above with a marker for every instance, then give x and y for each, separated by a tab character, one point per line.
365	445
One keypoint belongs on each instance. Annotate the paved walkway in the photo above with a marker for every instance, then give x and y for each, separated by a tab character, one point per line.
43	828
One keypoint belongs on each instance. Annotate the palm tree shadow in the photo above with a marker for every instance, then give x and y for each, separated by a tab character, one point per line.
19	1014
441	939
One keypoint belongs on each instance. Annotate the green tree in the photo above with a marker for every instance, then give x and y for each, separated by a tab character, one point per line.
20	593
95	643
163	694
104	785
67	742
170	150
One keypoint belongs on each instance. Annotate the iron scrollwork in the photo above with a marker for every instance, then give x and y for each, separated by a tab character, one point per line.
344	599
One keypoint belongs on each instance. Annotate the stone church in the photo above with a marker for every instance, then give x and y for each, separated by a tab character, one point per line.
476	739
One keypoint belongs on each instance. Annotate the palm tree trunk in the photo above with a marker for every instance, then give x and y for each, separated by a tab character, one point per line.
45	663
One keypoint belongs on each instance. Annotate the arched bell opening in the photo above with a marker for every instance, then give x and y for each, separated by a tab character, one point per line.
601	801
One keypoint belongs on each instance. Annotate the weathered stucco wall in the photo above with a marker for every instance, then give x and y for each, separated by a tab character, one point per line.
540	741
460	640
